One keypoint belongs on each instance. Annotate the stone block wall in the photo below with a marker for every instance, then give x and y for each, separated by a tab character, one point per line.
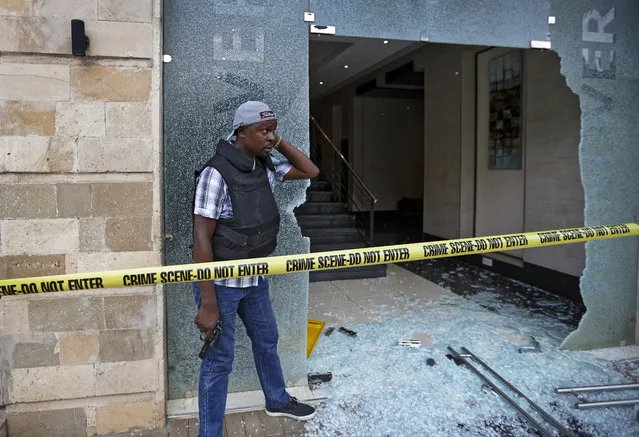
80	191
79	350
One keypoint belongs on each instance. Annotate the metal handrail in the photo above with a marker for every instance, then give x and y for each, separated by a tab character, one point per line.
359	195
348	165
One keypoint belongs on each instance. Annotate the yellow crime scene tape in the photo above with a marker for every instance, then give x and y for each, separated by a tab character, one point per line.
311	261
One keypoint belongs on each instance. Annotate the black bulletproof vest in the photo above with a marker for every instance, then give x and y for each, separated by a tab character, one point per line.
252	231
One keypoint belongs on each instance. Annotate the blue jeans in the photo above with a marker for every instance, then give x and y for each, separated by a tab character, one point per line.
253	304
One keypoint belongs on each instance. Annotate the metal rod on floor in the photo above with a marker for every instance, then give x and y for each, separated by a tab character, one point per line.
497	390
597	388
620	403
536	407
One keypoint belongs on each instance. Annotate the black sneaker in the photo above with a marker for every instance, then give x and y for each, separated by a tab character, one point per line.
294	410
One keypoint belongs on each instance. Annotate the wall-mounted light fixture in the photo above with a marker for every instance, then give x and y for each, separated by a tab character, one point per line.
79	40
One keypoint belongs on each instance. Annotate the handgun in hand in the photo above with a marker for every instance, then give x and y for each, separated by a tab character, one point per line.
209	338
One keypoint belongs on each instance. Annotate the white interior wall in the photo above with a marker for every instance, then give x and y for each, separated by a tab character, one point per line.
442	140
468	139
554	192
390	153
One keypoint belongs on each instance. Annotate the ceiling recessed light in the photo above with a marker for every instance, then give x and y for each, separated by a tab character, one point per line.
345	66
385	41
321	83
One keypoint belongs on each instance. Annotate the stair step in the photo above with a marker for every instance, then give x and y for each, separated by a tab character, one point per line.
377	271
324	221
336	239
323	236
320	196
321	208
320	186
328	225
335	231
328	247
345	230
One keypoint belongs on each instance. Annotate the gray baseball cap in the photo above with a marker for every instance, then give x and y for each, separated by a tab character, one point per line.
252	112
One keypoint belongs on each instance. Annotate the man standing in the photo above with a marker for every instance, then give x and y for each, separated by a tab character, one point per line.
236	217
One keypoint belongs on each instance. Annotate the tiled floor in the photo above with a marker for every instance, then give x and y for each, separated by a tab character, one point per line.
343	302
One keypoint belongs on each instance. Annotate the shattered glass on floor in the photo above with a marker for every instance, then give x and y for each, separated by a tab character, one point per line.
468	280
380	388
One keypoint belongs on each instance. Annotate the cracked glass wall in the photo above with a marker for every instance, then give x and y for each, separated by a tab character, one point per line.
597	42
227	51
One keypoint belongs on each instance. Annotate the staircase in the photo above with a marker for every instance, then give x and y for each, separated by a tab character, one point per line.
329	226
339	209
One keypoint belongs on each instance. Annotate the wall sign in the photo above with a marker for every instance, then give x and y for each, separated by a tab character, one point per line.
505	142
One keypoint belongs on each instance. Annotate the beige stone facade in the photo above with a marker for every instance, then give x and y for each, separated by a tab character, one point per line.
80	190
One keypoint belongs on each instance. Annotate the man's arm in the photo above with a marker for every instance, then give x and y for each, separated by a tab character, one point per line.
208	314
303	167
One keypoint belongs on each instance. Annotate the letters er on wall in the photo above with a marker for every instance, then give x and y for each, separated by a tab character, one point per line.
598	55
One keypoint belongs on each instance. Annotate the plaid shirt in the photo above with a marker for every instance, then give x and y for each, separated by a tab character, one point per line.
212	201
